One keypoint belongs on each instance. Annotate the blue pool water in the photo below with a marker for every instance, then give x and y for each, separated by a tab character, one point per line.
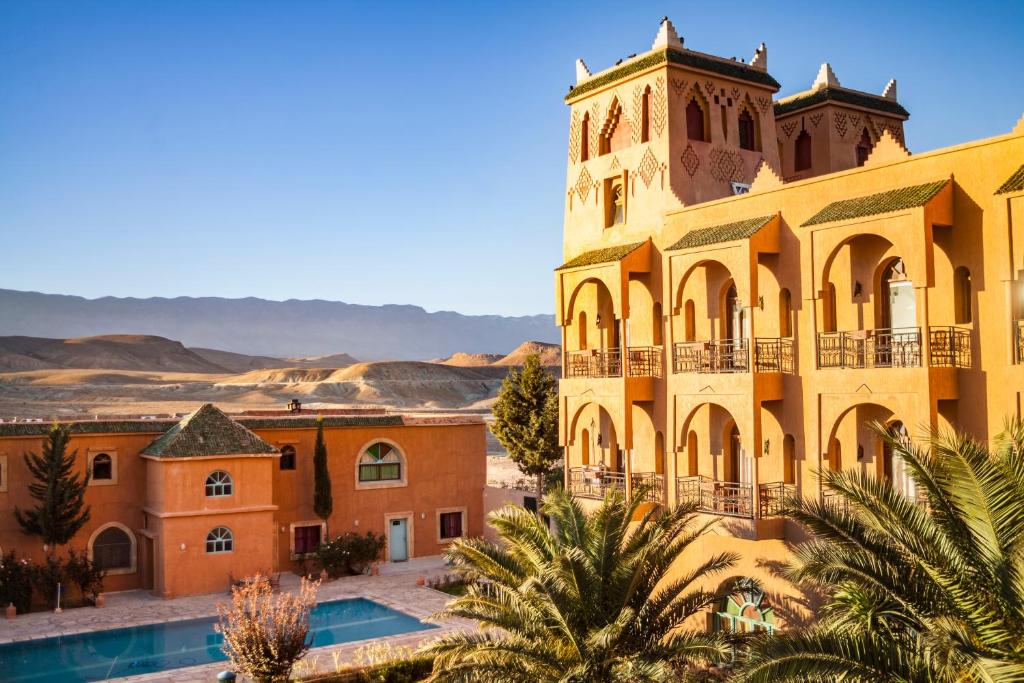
100	655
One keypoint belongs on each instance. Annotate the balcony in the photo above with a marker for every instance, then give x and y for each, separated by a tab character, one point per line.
772	498
834	500
882	348
773	354
594	363
711	357
644	361
716	497
949	347
1018	340
588	482
654	485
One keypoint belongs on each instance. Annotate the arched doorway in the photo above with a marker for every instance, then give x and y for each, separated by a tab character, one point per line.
893	466
898	302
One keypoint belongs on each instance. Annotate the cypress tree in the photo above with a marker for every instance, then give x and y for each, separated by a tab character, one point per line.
526	420
323	501
61	510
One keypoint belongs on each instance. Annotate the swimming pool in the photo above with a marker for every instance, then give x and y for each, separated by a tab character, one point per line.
100	655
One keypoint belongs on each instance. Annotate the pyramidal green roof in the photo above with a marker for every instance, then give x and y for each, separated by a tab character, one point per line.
874	204
208	431
727	232
1015	183
606	255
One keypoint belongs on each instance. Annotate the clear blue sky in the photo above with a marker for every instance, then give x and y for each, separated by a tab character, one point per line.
385	152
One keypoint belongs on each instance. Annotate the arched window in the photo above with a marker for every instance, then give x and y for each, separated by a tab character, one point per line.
657	322
585	138
102	467
802	158
864	147
659	453
690	321
220	540
585	447
582	324
287	461
694	120
785	313
218	484
645	115
830	321
380	462
745	611
962	295
616	203
748	131
112	549
692	463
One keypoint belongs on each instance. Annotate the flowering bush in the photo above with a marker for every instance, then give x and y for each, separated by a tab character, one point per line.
265	634
15	582
350	553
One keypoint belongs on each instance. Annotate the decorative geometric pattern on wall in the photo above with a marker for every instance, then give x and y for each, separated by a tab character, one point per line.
648	167
709	87
735	92
659	107
855	120
816	119
584	183
574	137
690	159
726	164
840	119
615	163
638	112
788	127
678	85
763	103
596	120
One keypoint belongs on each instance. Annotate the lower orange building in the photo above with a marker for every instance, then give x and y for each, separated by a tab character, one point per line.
181	508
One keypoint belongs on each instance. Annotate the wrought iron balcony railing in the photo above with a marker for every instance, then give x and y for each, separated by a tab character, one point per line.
644	361
595	363
653	485
773	354
882	348
949	347
772	497
594	483
708	357
717	497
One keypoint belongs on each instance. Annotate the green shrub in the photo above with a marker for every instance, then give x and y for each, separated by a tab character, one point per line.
83	573
350	553
15	582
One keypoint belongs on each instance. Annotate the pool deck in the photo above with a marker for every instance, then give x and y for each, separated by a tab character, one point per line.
395	587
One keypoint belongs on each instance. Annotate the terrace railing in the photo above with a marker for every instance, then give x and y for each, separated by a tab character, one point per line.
717	497
773	496
711	357
653	485
595	363
773	354
882	348
644	361
949	347
593	483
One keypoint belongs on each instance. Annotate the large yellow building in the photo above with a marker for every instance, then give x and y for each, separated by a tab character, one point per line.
749	282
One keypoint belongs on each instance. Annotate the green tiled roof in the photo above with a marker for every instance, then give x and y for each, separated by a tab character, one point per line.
842	96
694	60
1014	183
208	431
874	204
607	255
727	232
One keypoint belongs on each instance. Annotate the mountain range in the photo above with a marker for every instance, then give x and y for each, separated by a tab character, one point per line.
279	329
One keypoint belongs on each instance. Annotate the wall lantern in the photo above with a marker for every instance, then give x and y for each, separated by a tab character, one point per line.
294	405
857	288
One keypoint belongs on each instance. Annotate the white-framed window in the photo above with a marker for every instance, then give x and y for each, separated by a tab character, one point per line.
102	466
219	484
220	540
451	524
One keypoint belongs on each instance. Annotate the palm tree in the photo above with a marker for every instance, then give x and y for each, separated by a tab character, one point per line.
594	600
930	589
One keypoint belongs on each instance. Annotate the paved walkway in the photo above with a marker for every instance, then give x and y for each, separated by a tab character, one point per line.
395	587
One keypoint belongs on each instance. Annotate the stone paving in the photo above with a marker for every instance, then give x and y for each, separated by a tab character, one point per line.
395	587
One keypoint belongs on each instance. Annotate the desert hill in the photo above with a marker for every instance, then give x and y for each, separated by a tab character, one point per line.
110	352
279	329
468	360
550	354
240	362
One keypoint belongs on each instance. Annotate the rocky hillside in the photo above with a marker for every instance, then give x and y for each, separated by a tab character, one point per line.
111	352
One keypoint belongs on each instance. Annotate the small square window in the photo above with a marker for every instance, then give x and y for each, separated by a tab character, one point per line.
287	461
451	525
307	539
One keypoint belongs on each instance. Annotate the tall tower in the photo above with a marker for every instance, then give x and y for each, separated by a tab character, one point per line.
659	130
